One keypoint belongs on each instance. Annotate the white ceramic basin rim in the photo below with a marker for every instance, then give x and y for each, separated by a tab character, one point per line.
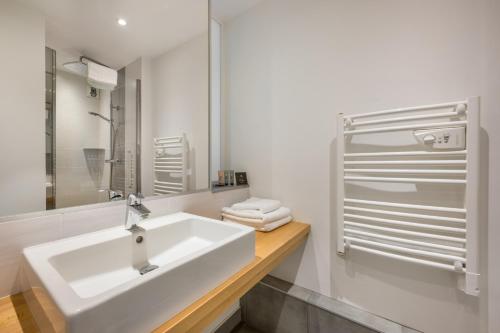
95	273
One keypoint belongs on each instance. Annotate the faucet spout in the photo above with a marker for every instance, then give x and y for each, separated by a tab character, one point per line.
140	210
136	212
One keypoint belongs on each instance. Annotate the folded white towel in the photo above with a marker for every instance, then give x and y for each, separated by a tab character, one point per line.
262	205
256	215
264	227
253	222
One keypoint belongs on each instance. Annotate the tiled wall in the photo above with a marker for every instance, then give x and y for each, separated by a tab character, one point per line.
27	230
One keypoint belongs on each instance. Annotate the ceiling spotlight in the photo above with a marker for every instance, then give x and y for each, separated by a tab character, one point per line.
122	22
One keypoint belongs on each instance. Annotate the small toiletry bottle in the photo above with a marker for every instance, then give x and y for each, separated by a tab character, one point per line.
232	180
221	178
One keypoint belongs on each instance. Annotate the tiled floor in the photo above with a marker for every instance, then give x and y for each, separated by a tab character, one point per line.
245	329
277	306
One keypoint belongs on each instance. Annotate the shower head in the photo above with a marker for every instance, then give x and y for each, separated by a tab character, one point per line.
97	74
100	116
76	67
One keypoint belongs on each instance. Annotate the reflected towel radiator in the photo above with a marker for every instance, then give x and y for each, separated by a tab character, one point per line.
170	165
438	236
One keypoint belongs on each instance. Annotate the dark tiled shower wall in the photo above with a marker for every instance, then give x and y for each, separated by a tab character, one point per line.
118	116
278	306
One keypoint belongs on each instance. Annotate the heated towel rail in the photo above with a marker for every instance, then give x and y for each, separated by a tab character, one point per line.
420	232
170	165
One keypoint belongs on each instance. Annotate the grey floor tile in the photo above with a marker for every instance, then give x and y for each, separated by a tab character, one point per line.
245	329
231	323
321	321
271	311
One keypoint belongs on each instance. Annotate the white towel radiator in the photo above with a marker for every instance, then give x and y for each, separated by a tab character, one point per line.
170	165
411	230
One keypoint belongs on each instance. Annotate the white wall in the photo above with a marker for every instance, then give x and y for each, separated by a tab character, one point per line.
180	102
82	143
490	156
292	65
22	101
248	120
215	99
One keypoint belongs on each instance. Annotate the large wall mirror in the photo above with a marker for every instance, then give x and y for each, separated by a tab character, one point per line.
239	94
100	99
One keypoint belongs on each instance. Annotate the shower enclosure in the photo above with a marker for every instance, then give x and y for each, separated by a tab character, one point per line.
50	135
96	142
117	165
126	116
124	156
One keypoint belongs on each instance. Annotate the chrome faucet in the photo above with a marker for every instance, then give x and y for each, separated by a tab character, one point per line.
115	195
136	212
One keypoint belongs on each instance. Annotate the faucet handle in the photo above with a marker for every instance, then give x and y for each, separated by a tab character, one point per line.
134	198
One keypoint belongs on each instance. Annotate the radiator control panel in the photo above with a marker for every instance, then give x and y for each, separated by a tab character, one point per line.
442	138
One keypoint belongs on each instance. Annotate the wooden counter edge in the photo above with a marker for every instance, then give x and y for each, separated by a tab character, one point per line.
271	249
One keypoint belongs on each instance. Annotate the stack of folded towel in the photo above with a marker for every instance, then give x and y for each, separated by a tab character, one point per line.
262	214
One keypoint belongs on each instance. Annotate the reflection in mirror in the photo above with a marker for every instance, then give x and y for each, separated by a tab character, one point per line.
102	99
230	89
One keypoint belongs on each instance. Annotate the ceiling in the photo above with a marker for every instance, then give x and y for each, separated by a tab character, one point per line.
89	27
225	10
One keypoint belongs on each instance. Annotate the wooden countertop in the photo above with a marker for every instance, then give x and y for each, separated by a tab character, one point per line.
15	316
270	249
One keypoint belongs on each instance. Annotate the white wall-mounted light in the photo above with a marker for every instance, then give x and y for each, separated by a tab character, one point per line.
122	22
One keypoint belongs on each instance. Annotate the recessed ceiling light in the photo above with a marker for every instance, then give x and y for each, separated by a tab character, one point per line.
122	22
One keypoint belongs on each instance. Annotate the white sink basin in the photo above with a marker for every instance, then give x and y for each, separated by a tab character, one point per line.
92	282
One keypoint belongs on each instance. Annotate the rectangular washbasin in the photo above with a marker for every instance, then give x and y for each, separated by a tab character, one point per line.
93	282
